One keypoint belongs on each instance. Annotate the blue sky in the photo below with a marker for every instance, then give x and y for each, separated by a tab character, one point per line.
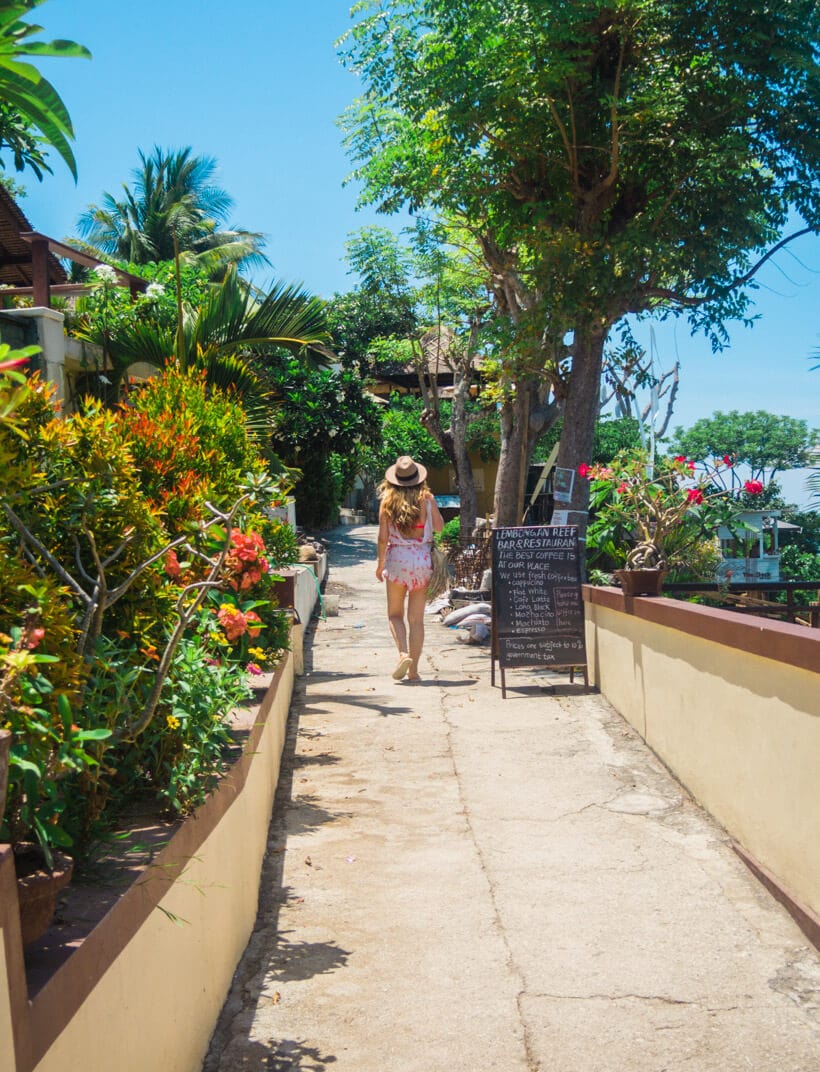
257	85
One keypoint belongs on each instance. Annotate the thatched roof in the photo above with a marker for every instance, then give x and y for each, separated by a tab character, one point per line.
29	263
16	268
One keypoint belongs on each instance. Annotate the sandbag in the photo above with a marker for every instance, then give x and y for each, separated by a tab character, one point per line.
454	617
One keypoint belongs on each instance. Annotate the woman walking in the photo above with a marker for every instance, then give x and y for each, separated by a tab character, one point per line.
408	516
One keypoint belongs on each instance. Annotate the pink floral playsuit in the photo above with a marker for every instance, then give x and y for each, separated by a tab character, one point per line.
407	560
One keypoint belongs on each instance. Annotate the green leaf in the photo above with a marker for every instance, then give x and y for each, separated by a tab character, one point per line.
92	735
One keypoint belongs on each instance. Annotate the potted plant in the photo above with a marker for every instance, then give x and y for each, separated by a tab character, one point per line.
650	515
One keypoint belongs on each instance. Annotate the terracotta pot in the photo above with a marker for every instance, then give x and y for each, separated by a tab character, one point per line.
641	582
37	889
5	747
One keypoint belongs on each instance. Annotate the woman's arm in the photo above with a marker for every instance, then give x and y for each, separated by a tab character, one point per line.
382	544
437	519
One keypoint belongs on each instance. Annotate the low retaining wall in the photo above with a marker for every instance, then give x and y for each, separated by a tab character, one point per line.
145	988
299	590
731	704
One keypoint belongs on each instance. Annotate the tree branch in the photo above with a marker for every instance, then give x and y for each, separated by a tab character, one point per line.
31	539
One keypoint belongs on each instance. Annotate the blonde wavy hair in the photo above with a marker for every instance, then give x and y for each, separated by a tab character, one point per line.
403	506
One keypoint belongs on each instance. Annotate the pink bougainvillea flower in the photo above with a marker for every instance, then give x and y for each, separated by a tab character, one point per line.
623	487
252	668
694	495
584	469
753	487
680	457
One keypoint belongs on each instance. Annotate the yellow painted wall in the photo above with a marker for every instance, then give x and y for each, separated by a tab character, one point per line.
442	482
740	731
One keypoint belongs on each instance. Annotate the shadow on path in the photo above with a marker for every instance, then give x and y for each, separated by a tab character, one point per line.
290	1056
350	548
270	957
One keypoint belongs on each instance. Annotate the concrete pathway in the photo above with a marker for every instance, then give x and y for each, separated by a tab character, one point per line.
457	883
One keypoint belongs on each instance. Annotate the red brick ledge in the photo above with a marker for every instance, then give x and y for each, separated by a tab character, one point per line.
38	1023
793	645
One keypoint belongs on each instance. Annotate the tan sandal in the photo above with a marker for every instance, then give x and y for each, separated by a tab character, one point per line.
402	667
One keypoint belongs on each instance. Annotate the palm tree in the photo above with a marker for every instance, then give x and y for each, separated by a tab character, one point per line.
173	208
230	325
28	102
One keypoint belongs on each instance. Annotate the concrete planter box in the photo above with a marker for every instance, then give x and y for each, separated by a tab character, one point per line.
143	991
299	591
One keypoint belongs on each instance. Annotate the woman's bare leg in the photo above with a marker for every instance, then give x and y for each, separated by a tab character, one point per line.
395	615
416	602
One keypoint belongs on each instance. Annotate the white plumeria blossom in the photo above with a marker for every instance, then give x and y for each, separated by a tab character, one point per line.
105	273
154	290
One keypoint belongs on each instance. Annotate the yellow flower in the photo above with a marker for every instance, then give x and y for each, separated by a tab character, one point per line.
172	722
256	653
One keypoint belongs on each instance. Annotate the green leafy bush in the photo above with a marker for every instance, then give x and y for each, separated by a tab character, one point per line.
183	752
280	541
100	661
451	533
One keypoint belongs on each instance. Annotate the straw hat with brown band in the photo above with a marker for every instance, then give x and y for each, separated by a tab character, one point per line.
405	473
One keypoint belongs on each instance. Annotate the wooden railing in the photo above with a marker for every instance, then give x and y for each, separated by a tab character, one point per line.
753	597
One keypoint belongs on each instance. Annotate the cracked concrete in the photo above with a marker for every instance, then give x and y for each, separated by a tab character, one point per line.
458	883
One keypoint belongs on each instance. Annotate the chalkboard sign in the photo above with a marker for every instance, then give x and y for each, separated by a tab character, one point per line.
538	613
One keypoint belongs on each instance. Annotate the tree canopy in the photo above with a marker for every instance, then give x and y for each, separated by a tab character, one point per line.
765	442
609	158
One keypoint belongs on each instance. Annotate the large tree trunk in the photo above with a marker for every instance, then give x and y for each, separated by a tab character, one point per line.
510	482
580	413
523	422
468	504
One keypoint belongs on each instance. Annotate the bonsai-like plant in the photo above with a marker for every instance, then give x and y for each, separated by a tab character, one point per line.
660	510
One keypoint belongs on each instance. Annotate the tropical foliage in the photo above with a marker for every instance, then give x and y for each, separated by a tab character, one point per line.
32	113
136	598
322	420
654	513
438	281
221	327
762	444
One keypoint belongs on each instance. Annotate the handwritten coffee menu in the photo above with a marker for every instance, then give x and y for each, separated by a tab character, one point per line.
537	606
